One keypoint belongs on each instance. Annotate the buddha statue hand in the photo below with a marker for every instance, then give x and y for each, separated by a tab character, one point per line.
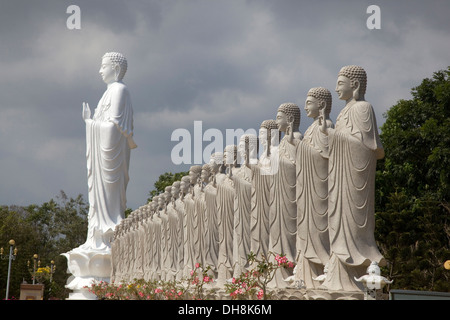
86	114
289	131
322	121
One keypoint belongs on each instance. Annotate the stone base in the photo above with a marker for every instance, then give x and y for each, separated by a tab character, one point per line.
317	294
87	266
298	294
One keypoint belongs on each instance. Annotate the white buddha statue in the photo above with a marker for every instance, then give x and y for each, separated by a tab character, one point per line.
210	189
181	208
157	240
313	243
109	139
262	184
190	253
226	194
354	148
173	230
283	209
242	178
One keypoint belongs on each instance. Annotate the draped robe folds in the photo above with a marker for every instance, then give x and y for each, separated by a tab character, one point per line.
262	184
114	257
225	210
109	138
354	147
173	241
157	244
313	244
198	230
133	245
283	211
179	207
189	212
148	250
164	242
128	256
242	213
211	240
120	241
140	243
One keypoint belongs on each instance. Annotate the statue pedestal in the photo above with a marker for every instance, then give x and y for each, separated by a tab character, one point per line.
87	266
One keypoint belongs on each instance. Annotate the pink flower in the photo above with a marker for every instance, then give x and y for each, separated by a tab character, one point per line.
197	265
260	294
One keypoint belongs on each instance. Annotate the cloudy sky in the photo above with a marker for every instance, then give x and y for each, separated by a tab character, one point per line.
227	63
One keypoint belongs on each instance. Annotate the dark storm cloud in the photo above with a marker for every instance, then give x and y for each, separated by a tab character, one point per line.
227	63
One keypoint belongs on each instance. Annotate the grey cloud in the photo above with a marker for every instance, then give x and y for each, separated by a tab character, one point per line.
228	63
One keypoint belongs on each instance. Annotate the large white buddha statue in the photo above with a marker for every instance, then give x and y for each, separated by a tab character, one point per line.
313	243
109	139
354	148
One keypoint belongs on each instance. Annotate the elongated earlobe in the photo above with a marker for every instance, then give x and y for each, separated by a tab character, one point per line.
356	89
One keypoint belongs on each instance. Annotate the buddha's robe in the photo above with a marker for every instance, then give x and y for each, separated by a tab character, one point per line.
354	147
109	138
313	243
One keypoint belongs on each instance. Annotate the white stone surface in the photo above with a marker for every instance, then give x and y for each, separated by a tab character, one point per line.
109	139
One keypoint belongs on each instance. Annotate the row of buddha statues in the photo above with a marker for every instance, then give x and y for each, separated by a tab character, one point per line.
307	196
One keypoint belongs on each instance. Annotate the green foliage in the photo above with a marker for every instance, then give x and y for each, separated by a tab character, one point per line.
413	187
48	230
165	180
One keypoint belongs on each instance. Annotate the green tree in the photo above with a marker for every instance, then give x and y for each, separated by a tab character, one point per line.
165	180
48	230
413	187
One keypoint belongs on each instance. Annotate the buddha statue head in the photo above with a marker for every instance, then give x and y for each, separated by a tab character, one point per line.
206	173
154	204
248	148
175	191
317	99
161	202
231	155
351	83
184	185
287	113
167	194
113	68
194	174
216	161
269	134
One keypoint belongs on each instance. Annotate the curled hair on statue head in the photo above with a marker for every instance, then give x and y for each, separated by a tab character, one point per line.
355	73
291	109
322	94
118	59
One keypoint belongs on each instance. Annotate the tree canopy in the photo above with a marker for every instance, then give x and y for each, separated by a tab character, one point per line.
55	227
165	180
413	187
